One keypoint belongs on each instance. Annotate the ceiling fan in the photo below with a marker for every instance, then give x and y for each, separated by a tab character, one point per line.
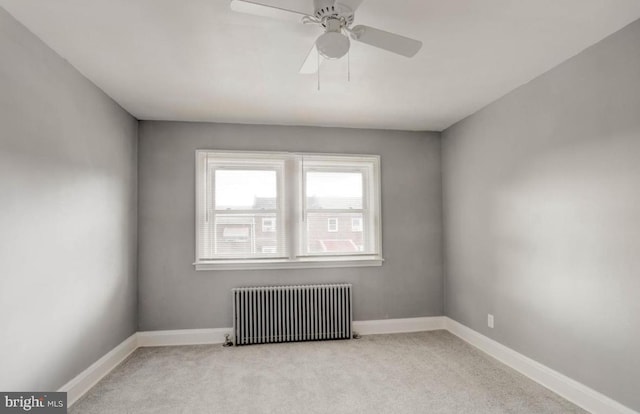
336	19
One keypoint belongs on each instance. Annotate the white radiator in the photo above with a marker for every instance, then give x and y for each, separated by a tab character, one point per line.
291	313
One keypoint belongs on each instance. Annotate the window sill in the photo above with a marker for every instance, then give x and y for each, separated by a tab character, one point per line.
301	263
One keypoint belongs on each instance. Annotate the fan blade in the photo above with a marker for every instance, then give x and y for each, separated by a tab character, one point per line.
311	63
261	9
352	4
385	40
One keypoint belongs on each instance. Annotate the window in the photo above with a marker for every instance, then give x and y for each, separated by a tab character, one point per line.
281	210
236	197
268	225
332	225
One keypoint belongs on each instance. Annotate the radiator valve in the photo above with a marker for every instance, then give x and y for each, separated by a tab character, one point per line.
227	341
356	335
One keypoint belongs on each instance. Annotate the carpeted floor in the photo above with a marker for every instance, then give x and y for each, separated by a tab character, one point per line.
427	372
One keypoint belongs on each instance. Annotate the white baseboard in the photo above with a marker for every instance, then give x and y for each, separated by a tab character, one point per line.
562	385
216	336
572	390
389	326
83	382
183	337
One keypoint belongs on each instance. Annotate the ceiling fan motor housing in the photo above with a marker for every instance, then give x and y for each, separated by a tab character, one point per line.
327	10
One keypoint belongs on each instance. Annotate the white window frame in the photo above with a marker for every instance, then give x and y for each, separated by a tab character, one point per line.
291	214
332	228
207	214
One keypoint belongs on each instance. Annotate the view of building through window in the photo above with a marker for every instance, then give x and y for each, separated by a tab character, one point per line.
245	212
333	199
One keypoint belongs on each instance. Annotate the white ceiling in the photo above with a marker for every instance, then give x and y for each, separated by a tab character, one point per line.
197	60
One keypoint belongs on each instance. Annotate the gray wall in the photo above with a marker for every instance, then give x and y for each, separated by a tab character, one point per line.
67	217
174	296
542	218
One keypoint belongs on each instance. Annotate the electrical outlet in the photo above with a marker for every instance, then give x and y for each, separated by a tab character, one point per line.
490	320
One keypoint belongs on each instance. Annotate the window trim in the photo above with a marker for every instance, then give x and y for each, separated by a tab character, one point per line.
300	263
293	208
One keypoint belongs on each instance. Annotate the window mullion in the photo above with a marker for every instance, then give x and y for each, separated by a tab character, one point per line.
293	193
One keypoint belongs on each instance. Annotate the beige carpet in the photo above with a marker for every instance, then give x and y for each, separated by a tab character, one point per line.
427	372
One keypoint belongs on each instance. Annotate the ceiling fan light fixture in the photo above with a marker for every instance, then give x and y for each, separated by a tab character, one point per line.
333	45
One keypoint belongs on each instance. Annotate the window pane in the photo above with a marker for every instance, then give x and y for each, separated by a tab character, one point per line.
331	233
244	236
334	190
245	189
